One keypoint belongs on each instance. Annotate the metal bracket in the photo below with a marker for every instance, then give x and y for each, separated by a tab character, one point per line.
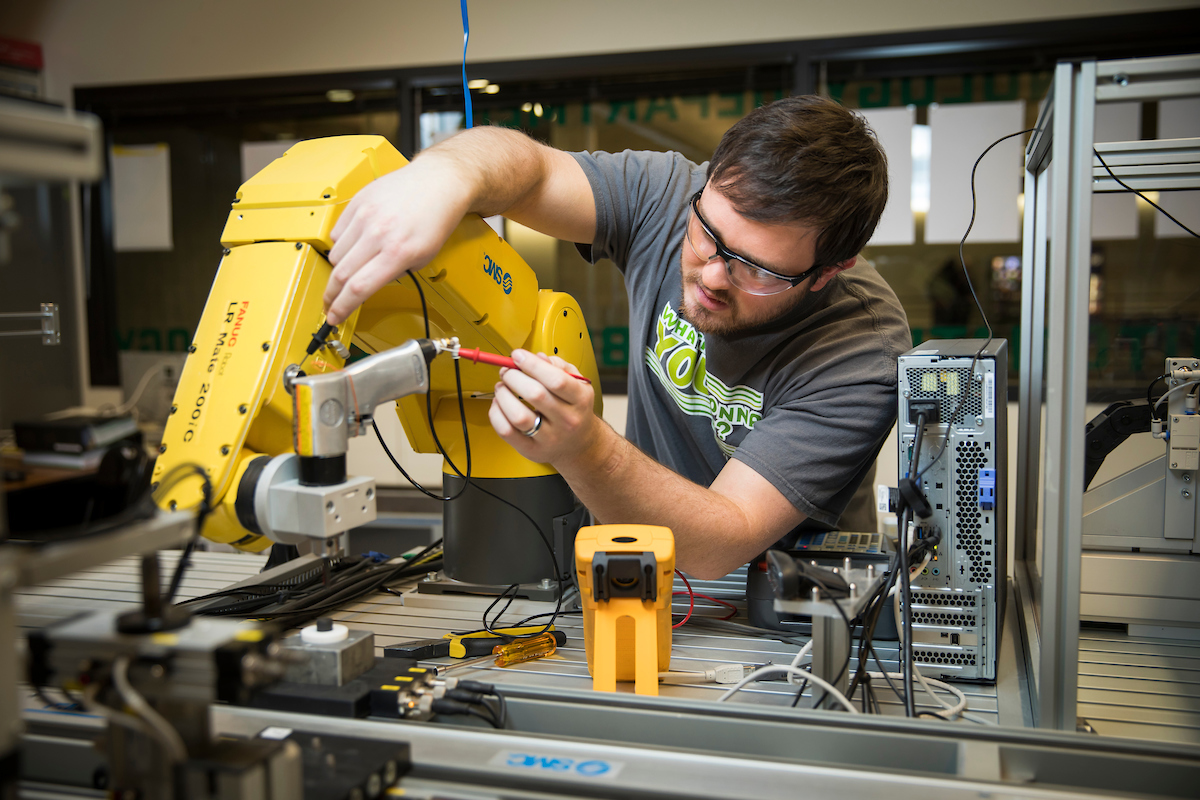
51	329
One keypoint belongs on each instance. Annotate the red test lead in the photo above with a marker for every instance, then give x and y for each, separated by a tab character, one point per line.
483	357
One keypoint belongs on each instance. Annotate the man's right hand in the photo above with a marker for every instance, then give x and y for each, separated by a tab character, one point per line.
400	221
396	224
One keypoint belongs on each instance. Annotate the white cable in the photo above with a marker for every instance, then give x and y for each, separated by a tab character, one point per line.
913	572
170	737
1172	391
796	661
773	668
928	685
722	673
926	681
137	392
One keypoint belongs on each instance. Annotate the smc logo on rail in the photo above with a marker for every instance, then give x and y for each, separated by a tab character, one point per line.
502	278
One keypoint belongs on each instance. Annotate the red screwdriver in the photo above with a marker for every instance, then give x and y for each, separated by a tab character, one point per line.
483	357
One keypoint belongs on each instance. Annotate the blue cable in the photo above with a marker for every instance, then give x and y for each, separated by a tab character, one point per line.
466	38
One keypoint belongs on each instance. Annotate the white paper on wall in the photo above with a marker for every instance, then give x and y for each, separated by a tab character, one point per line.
141	197
1178	119
1114	215
961	132
893	127
256	155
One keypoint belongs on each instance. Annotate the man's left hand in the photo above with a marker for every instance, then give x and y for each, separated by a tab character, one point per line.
568	425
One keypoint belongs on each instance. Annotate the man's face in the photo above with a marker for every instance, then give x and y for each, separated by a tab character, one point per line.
711	302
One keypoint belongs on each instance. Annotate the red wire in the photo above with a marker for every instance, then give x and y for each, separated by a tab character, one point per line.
691	599
733	610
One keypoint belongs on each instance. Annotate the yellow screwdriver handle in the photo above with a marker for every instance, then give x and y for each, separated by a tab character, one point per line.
524	650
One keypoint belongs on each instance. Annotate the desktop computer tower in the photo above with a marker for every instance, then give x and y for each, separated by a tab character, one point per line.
958	600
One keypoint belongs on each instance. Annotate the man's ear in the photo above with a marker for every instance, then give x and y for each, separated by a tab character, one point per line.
827	274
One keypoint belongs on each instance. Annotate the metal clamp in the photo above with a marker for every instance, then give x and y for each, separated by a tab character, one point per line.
624	575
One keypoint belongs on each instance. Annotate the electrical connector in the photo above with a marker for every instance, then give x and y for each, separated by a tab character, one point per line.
722	673
987	489
931	409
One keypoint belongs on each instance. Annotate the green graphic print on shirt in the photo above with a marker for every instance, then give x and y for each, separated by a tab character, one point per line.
677	360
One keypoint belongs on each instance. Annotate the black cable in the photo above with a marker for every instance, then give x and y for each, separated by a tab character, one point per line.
846	662
512	587
800	693
462	414
503	703
962	261
971	224
906	653
886	677
870	616
1129	188
202	511
1150	393
346	586
54	705
549	549
488	718
467	476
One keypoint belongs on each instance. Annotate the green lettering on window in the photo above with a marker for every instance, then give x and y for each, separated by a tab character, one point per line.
615	107
1011	79
700	100
906	92
876	94
968	91
662	105
737	106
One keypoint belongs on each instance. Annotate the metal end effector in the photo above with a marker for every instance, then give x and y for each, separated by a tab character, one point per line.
306	495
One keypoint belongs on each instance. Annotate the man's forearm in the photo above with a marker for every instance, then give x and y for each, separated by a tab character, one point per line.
498	167
621	484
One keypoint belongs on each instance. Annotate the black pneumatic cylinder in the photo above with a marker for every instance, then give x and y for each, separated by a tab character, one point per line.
322	470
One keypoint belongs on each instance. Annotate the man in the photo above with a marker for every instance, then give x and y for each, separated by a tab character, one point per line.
762	378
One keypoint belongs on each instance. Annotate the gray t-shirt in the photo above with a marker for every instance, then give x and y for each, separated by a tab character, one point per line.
805	402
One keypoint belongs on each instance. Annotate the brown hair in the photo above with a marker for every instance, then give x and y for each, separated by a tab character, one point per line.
809	160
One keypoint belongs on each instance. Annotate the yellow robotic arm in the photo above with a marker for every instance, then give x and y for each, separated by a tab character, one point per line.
232	411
